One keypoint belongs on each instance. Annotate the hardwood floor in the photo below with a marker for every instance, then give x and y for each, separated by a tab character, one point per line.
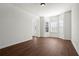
41	47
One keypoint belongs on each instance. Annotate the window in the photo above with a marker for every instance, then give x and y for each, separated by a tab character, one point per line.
54	26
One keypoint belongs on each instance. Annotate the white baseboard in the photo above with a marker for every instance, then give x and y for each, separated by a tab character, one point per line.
75	47
4	46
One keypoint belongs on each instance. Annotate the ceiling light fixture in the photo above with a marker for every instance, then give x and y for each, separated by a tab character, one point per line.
42	4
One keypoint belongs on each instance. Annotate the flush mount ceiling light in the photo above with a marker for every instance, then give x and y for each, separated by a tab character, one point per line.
42	4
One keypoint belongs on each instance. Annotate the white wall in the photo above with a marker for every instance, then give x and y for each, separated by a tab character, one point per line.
67	25
36	27
15	25
42	26
75	26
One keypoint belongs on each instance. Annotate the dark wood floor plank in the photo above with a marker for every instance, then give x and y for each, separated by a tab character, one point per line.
43	46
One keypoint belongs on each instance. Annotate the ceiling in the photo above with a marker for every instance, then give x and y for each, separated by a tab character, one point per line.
50	9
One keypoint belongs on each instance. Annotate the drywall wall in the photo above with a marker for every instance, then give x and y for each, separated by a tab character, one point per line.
75	26
42	26
67	25
36	27
15	25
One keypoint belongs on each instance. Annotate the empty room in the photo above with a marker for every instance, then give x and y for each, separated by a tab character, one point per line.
39	29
